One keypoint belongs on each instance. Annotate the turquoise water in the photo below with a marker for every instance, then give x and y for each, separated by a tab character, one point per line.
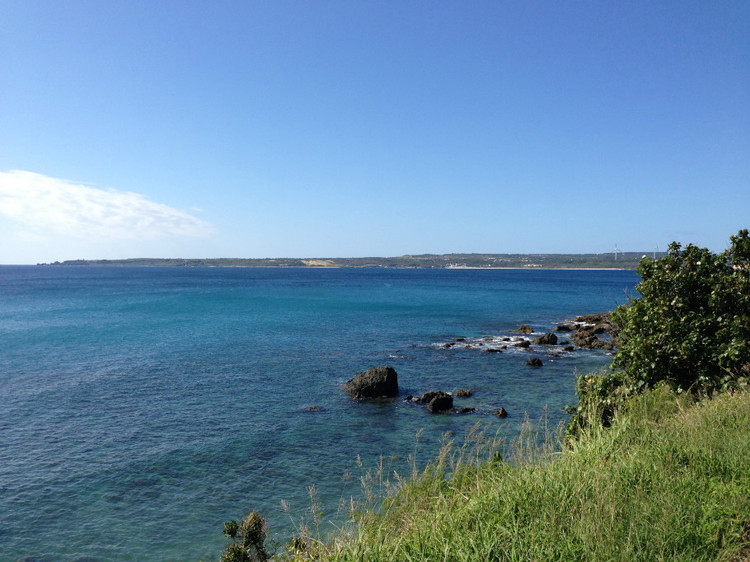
143	407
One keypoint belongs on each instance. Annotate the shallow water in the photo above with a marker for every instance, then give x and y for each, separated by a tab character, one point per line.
143	407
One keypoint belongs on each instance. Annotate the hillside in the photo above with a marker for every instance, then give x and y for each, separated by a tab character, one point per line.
622	260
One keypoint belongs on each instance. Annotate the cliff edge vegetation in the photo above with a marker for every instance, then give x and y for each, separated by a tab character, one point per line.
654	464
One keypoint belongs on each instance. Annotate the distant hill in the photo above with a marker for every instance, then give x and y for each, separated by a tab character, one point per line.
623	260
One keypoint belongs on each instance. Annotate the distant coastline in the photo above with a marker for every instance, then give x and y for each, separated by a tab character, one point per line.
609	261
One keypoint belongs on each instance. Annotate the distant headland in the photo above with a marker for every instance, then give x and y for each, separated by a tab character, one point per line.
620	260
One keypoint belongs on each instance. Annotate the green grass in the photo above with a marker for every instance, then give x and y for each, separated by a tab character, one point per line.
668	481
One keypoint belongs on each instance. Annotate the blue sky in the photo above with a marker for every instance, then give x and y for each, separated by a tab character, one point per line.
338	129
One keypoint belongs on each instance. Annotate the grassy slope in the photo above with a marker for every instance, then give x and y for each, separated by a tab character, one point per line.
667	482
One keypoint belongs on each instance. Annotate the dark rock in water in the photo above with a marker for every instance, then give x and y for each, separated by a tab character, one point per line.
449	344
569	348
524	329
440	404
564	328
503	347
592	325
427	396
459	339
524	343
312	409
592	318
377	382
463	393
546	339
534	362
501	413
586	339
492	350
437	401
463	410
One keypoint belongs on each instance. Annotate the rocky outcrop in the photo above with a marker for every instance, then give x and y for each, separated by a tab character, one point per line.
463	393
501	413
546	339
588	327
523	343
587	339
524	329
437	401
534	362
378	382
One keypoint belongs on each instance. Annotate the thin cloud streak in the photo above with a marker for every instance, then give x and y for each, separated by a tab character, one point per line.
51	205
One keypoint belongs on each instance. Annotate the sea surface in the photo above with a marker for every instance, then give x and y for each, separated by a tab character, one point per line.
141	408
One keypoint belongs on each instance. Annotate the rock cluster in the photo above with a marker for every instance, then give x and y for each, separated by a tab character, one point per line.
585	332
439	402
589	327
589	331
382	382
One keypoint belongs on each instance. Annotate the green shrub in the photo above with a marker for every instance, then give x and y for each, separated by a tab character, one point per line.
600	397
248	538
690	326
689	329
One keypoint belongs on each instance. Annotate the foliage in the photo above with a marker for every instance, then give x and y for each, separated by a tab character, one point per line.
600	397
691	325
688	329
249	539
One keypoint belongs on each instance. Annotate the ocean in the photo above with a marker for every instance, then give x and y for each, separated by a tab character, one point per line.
141	408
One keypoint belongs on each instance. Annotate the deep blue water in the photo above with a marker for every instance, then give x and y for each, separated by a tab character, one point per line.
143	407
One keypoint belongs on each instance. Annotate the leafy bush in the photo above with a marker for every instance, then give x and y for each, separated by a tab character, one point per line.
249	537
600	397
689	328
691	325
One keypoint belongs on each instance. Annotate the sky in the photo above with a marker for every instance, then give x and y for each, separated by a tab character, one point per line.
273	128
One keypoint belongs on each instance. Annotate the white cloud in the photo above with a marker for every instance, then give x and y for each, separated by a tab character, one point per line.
51	205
